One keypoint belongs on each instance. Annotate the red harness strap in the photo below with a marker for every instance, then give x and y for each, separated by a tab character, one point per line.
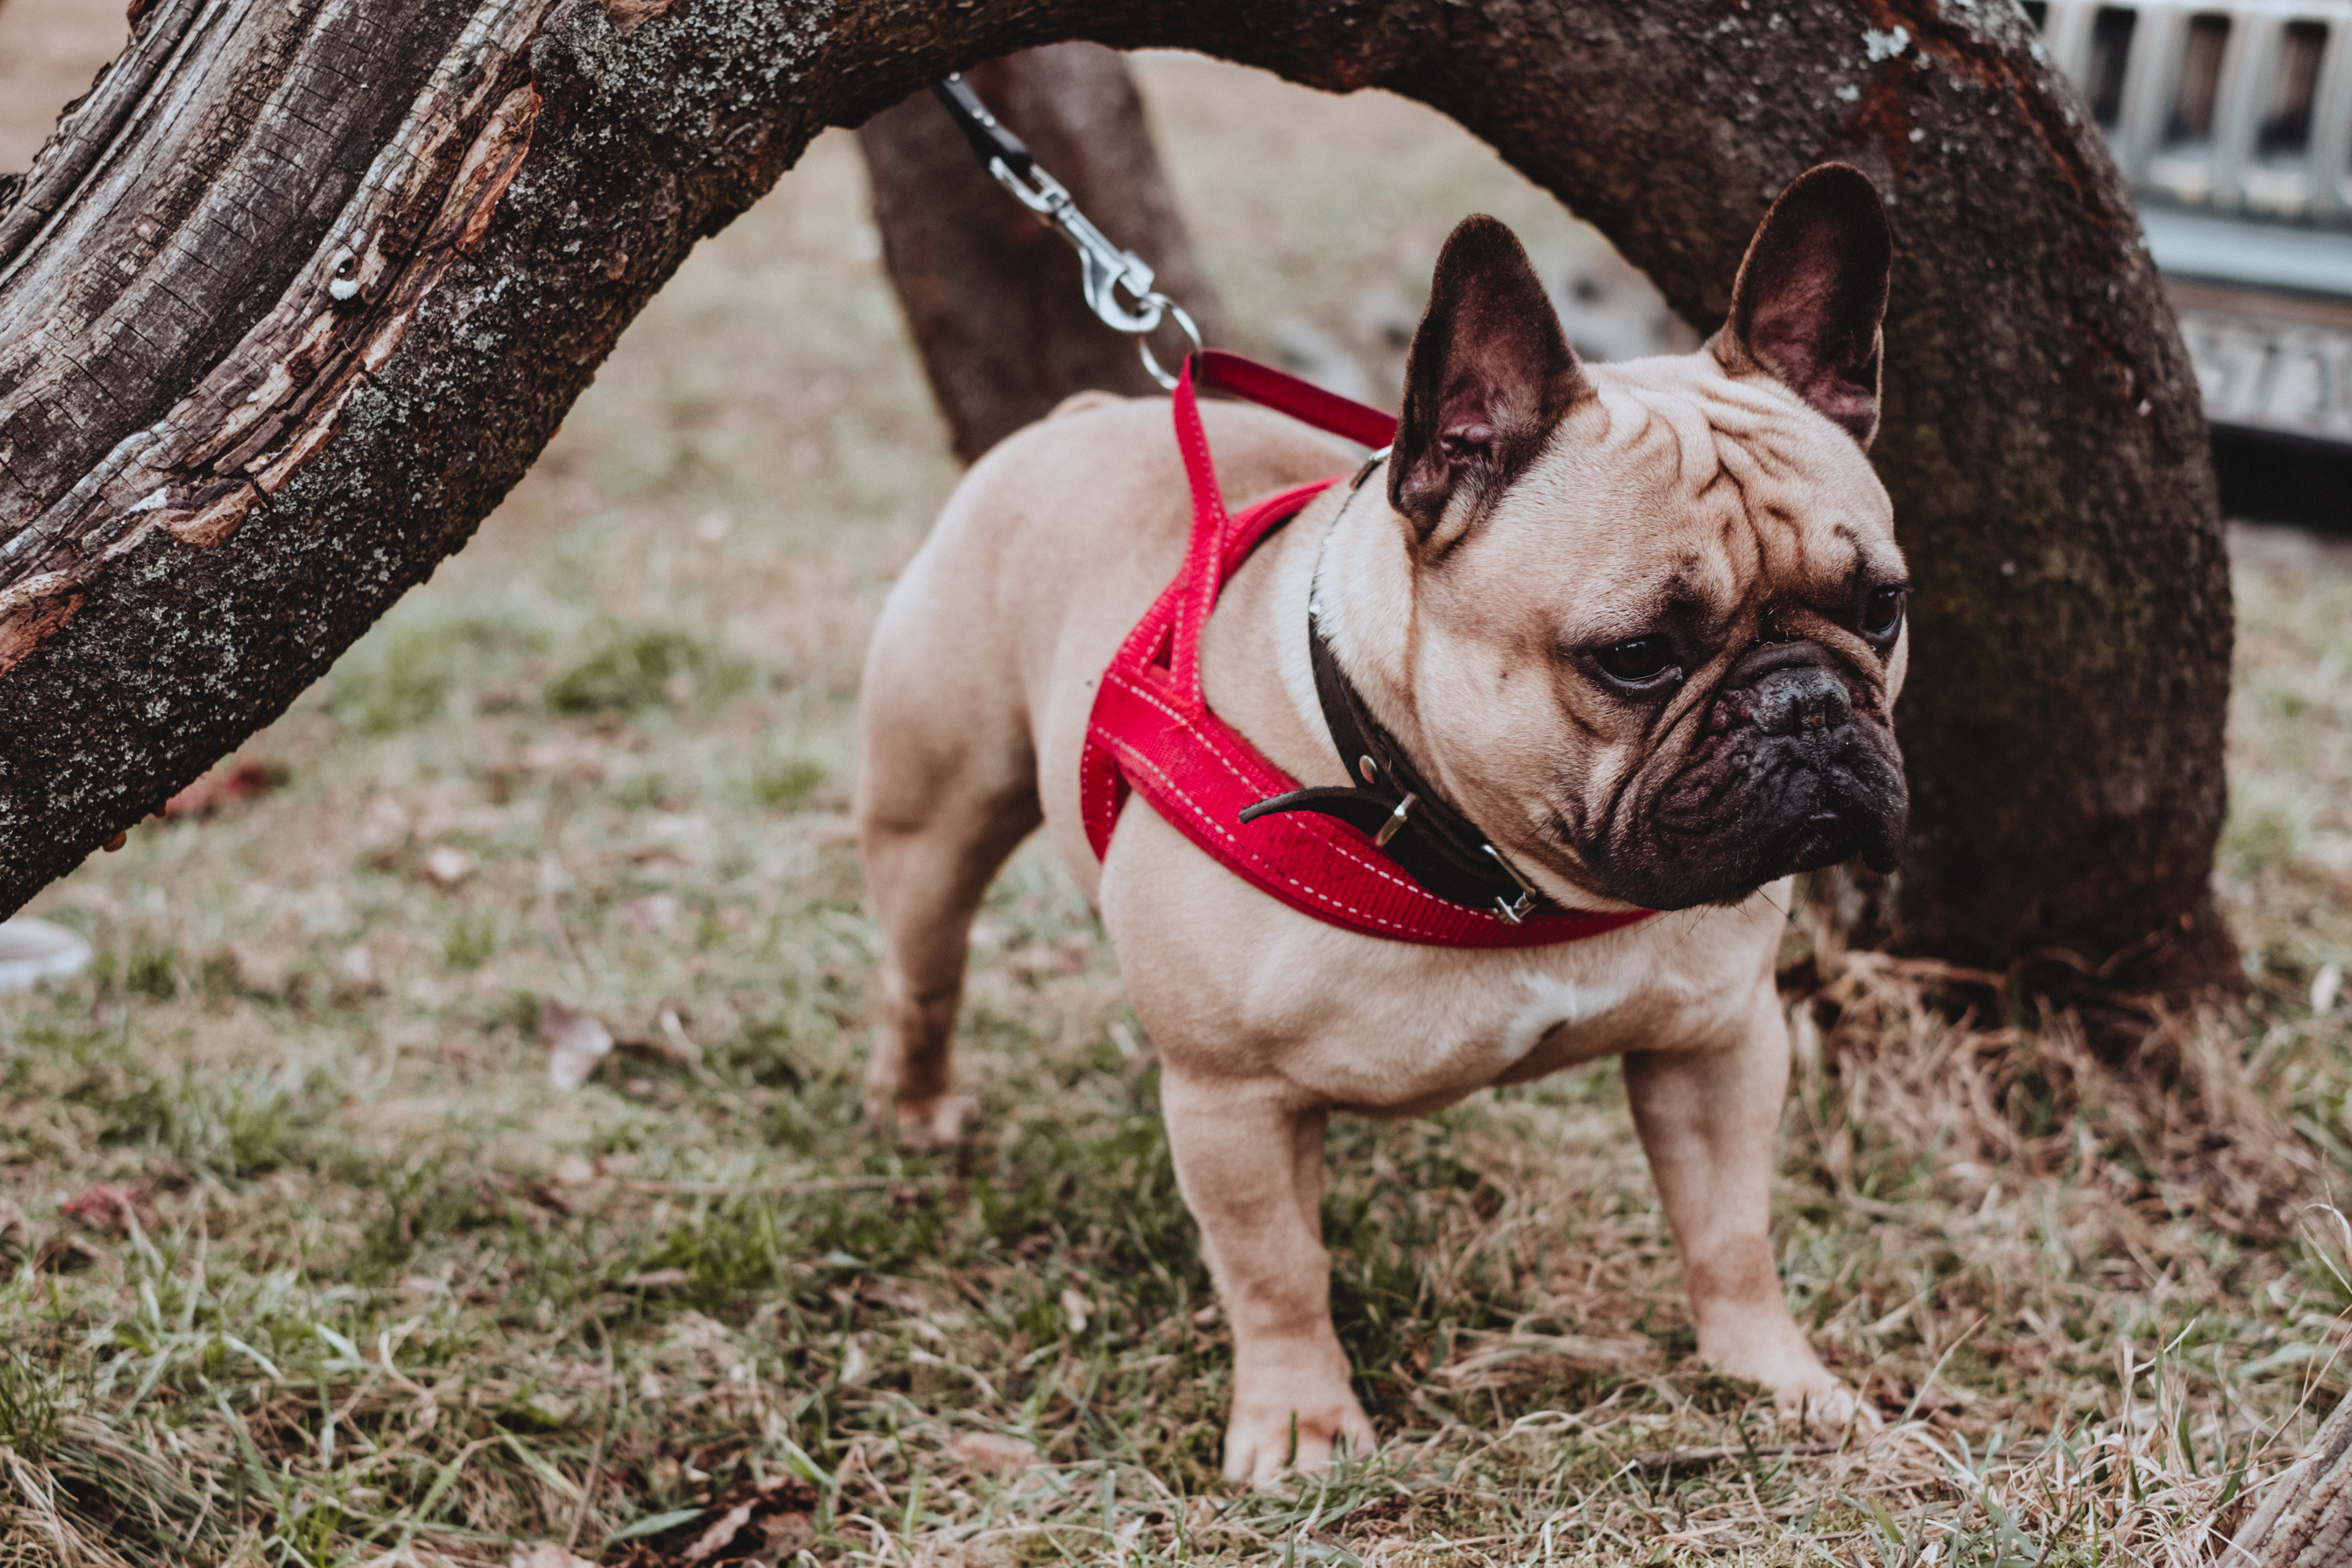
1152	731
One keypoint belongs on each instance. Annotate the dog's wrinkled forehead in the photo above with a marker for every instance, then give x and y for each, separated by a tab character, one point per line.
1677	477
1747	453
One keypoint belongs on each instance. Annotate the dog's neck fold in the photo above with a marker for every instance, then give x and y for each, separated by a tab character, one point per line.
1361	589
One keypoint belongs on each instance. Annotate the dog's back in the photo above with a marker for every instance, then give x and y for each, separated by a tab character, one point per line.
980	677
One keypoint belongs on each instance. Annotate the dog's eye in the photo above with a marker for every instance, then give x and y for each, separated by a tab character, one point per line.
1883	613
1639	661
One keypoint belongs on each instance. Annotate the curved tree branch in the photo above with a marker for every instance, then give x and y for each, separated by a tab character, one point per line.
301	288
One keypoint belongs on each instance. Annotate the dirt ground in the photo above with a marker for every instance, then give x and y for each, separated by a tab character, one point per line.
308	1256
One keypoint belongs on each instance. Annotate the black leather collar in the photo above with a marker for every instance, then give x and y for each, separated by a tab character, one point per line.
1429	841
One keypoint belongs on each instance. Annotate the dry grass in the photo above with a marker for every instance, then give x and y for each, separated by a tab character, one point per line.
376	1292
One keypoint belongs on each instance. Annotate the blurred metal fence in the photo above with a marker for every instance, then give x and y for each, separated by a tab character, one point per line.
2234	126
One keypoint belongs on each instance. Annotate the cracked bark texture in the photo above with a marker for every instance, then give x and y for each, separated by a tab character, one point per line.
303	287
991	294
2305	1517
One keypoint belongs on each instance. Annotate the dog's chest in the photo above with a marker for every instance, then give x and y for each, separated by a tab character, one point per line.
1410	1036
1555	1003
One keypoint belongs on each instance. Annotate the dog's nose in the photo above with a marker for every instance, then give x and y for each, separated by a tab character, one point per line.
1782	689
1792	701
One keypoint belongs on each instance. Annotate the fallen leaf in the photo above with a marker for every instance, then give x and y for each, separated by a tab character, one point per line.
449	865
988	1453
231	782
58	1252
18	1234
546	1554
674	1048
657	1279
897	1297
576	1042
33	951
2326	986
654	912
583	760
546	1197
696	1331
265	969
789	1535
682	1050
107	1205
359	968
384	827
574	1170
773	1520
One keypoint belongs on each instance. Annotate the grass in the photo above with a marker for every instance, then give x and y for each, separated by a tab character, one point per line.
304	1261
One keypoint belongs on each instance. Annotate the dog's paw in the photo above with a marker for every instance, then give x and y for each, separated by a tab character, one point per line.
1809	1395
937	1123
1824	1408
1262	1445
1805	1393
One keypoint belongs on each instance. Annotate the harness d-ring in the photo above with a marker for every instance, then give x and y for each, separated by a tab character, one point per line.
1183	318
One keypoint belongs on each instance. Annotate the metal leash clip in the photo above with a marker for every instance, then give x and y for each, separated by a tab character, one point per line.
1104	268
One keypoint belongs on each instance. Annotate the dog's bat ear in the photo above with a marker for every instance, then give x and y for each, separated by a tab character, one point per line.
1489	376
1811	295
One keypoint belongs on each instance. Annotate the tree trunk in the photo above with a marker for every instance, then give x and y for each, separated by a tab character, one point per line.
303	286
2305	1521
991	293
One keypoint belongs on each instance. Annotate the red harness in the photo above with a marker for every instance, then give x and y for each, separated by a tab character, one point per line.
1152	731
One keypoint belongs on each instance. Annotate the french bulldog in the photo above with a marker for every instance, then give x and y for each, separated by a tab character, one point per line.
1641	623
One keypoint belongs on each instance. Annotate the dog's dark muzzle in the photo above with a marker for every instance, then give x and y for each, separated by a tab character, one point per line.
1793	773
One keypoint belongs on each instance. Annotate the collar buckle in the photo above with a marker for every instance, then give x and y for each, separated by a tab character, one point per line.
1396	820
1514	911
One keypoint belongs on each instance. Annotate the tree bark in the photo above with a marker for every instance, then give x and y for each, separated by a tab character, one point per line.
301	288
2305	1520
991	294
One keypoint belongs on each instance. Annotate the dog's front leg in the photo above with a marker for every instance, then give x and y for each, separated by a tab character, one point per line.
1249	1159
1707	1117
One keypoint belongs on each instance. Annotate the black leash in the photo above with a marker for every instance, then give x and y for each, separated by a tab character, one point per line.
1105	269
